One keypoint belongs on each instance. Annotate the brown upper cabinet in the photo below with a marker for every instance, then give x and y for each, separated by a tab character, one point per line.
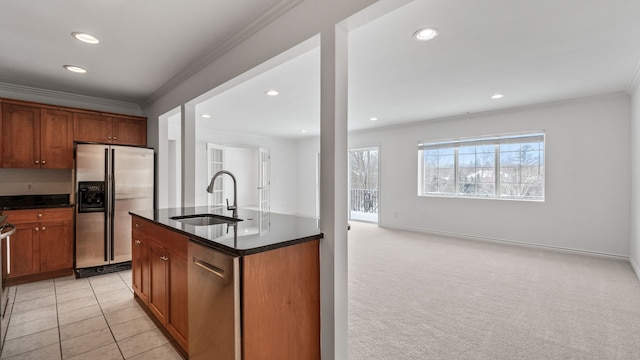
91	127
34	137
40	136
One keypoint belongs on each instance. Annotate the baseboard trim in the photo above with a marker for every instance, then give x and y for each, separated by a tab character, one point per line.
512	242
635	268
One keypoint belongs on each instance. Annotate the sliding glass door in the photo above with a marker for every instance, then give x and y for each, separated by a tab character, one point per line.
363	184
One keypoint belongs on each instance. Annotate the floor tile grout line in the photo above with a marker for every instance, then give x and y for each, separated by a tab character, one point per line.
54	283
105	318
109	326
55	294
15	296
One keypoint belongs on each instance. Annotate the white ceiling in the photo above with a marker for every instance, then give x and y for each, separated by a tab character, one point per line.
532	51
145	44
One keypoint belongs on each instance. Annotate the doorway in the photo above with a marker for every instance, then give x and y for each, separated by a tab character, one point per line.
363	184
251	167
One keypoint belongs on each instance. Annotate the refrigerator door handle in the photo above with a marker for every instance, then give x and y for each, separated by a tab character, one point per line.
107	193
113	201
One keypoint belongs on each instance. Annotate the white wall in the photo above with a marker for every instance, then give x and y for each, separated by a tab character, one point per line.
283	166
587	177
635	180
302	22
242	162
44	181
307	150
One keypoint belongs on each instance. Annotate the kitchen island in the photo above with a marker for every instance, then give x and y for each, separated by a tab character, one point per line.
245	289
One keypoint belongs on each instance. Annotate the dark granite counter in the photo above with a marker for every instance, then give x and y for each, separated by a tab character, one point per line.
21	202
257	232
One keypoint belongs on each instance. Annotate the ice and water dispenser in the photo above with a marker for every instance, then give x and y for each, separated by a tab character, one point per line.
91	196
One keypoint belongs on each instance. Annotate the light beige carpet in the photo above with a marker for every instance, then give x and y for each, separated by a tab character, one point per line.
417	296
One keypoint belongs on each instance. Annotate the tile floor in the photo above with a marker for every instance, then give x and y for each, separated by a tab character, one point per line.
92	318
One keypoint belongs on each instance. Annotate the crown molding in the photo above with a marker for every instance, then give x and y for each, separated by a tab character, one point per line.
257	24
68	99
634	82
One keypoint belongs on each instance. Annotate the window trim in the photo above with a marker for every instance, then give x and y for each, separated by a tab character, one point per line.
496	141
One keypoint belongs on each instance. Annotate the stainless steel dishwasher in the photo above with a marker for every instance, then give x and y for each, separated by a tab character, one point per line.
214	304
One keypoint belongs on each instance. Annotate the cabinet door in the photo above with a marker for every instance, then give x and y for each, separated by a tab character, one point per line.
91	128
56	139
158	281
177	319
140	266
20	136
56	245
23	250
129	131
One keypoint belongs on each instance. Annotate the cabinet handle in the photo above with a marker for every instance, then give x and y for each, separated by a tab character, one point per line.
137	225
43	162
138	242
39	215
164	258
36	229
109	137
37	162
114	138
44	228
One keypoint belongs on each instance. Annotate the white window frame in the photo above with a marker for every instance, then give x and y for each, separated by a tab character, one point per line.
495	141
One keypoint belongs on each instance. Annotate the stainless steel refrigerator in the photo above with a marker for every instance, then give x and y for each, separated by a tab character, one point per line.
110	181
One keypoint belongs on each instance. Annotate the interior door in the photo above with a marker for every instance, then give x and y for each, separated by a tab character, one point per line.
263	179
215	163
264	169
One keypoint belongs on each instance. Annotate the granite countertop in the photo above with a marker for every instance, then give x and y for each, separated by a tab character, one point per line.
22	202
257	232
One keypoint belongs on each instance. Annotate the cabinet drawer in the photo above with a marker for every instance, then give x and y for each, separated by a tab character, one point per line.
35	215
138	226
168	239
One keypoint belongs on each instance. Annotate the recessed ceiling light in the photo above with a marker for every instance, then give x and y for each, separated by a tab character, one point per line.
497	96
75	69
303	131
84	37
426	34
272	93
373	119
206	116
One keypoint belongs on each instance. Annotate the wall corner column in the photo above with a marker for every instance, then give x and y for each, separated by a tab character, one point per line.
333	193
188	125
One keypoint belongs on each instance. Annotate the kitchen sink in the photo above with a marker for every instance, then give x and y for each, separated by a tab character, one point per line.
205	219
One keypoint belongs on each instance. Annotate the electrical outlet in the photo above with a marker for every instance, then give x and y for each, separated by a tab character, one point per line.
28	187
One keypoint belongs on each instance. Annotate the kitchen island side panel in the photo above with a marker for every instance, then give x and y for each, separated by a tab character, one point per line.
281	303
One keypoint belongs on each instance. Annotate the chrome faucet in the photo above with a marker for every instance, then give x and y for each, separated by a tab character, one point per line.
235	191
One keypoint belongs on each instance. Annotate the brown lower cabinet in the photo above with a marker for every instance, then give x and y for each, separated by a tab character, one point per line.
42	246
279	293
159	267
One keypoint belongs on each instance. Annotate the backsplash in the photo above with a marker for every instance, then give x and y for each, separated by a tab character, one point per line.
42	181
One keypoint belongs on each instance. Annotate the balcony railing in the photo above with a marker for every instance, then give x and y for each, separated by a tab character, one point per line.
364	200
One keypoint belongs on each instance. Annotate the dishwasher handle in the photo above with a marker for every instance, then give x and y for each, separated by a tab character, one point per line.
209	267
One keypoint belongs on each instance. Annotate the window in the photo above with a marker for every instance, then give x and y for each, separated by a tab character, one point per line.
504	166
